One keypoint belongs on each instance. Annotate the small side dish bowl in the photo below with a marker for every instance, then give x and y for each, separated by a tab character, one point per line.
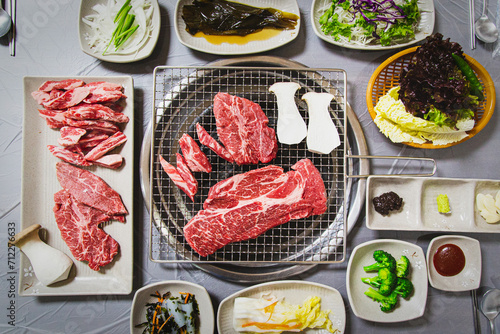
143	297
363	306
470	276
386	76
144	52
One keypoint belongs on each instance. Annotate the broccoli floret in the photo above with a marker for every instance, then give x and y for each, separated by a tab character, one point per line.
402	266
384	260
404	287
384	282
387	303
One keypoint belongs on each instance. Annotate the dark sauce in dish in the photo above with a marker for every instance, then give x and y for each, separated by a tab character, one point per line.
449	260
387	202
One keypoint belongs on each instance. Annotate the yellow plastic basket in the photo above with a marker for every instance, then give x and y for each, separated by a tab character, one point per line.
387	76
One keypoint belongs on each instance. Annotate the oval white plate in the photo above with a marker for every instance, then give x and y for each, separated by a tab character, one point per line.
144	52
293	292
470	277
363	306
201	44
426	26
143	296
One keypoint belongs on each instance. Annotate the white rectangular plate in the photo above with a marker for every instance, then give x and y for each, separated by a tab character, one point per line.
201	44
293	292
426	26
419	211
39	184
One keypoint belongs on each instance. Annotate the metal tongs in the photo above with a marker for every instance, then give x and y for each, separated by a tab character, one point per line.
434	167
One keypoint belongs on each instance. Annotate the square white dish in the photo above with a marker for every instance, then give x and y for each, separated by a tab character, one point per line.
143	296
363	306
39	184
426	26
201	44
470	277
144	52
419	211
293	292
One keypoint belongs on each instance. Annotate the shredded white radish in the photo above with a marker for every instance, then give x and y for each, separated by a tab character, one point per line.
102	27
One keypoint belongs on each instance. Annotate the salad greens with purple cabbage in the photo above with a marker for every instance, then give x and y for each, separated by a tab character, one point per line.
365	22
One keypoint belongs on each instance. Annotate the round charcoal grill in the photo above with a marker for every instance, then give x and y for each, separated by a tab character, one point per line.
183	97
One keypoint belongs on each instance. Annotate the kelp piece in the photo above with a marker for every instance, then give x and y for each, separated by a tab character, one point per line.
221	17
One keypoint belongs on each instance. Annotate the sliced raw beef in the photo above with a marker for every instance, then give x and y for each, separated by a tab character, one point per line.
103	126
92	139
68	99
95	111
242	128
112	161
195	158
187	176
55	118
70	135
207	140
105	146
89	189
103	92
176	177
55	93
246	205
69	156
40	97
79	228
67	84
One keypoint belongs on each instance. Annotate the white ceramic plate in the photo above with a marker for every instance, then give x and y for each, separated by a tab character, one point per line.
426	26
201	44
144	52
293	292
419	211
143	296
363	306
470	277
39	184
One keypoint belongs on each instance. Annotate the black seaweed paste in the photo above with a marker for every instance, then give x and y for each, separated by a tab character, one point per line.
386	202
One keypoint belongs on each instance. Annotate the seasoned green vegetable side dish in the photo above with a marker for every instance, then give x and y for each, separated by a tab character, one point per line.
364	22
172	314
221	17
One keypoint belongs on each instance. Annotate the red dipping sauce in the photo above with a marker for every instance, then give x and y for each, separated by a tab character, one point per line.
449	260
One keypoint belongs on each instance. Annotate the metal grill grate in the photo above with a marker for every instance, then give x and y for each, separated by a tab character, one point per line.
184	96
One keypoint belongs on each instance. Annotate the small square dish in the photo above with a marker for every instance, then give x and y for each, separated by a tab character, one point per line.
469	277
146	46
146	294
362	305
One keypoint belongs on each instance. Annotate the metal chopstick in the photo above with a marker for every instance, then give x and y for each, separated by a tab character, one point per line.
477	329
472	25
12	32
